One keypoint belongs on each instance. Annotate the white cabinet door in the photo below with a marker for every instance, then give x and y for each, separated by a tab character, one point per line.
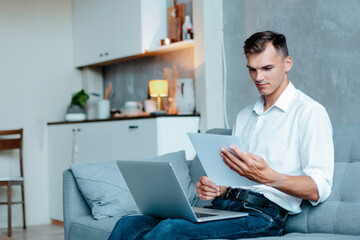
116	140
122	29
135	139
87	31
171	134
105	30
93	142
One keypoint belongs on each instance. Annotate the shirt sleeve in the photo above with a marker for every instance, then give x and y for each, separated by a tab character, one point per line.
317	150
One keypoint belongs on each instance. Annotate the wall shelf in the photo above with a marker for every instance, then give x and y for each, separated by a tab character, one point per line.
154	52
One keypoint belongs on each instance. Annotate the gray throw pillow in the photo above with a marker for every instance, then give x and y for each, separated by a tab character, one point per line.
106	192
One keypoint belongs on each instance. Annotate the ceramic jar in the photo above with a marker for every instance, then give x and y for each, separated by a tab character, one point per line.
185	96
103	109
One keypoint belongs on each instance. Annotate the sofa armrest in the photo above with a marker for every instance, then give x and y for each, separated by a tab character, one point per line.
74	204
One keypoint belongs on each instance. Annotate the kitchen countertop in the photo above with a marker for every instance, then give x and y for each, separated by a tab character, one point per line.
124	118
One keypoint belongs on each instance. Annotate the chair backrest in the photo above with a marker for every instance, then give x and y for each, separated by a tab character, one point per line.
340	213
12	139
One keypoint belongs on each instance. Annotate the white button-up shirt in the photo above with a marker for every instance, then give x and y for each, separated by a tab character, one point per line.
294	137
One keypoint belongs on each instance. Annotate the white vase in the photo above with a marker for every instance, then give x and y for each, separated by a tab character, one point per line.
185	96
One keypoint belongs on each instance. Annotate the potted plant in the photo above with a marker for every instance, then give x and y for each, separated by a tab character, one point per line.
76	110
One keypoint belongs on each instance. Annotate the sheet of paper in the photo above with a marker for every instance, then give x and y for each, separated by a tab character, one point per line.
207	147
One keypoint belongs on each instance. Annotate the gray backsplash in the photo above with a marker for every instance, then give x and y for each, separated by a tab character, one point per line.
130	79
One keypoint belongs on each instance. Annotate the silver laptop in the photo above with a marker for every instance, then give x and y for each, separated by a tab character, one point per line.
157	192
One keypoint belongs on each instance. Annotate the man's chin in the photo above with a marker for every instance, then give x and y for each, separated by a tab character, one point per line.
263	91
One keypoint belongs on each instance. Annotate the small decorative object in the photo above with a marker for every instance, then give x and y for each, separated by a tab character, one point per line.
171	75
158	89
114	112
150	105
76	110
103	105
185	96
166	41
103	109
132	107
187	29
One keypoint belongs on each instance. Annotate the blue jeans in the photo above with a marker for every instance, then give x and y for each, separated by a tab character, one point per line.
260	222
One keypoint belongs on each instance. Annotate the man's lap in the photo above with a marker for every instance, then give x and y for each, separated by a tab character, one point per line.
258	223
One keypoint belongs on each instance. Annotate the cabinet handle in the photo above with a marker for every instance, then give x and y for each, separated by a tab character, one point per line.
100	54
106	53
133	127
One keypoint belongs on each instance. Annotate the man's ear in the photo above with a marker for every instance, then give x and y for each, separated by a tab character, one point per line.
288	63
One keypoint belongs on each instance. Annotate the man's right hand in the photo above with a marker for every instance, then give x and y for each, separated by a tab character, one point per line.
208	190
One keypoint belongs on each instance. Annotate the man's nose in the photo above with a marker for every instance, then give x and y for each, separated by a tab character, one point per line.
259	76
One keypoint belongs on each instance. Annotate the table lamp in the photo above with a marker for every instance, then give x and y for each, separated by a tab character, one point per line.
158	89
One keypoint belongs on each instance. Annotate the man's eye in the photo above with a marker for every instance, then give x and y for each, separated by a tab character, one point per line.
251	70
268	68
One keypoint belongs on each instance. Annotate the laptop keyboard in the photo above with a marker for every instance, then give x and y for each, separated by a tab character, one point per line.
201	215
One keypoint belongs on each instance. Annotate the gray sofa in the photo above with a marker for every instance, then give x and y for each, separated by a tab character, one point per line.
337	218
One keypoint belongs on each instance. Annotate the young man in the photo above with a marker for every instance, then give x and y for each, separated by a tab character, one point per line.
287	148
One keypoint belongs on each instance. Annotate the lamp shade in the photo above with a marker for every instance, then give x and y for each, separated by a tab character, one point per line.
158	88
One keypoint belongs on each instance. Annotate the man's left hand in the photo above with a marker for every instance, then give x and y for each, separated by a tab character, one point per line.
248	165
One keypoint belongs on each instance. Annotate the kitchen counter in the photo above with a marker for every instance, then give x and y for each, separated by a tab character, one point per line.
124	118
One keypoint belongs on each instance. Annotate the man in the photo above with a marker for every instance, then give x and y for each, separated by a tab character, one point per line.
286	140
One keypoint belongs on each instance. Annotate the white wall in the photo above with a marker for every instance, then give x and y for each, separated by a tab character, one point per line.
208	63
37	79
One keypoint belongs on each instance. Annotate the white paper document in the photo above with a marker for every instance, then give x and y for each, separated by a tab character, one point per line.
207	147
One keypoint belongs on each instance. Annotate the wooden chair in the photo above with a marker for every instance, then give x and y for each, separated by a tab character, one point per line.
9	143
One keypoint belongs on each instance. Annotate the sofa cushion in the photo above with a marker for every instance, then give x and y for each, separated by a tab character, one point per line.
105	189
340	213
88	228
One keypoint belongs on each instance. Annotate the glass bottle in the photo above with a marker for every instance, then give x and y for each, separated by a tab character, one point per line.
187	29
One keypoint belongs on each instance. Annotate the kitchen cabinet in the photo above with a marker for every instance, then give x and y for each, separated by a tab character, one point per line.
99	141
110	29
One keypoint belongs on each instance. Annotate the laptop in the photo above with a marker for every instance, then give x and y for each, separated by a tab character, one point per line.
157	192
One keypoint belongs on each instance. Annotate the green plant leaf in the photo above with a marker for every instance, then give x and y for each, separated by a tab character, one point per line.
80	98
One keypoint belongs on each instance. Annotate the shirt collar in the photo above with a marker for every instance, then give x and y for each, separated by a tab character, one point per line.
282	103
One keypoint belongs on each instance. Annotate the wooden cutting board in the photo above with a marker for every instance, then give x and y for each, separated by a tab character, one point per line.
174	25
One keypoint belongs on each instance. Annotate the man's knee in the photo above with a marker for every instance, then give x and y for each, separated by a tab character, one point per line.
129	227
125	222
121	226
169	229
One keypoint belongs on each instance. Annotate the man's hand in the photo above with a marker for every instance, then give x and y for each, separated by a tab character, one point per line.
249	165
256	169
208	190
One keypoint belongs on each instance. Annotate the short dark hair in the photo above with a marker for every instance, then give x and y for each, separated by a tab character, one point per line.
256	43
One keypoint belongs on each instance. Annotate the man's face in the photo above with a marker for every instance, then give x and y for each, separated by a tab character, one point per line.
269	70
